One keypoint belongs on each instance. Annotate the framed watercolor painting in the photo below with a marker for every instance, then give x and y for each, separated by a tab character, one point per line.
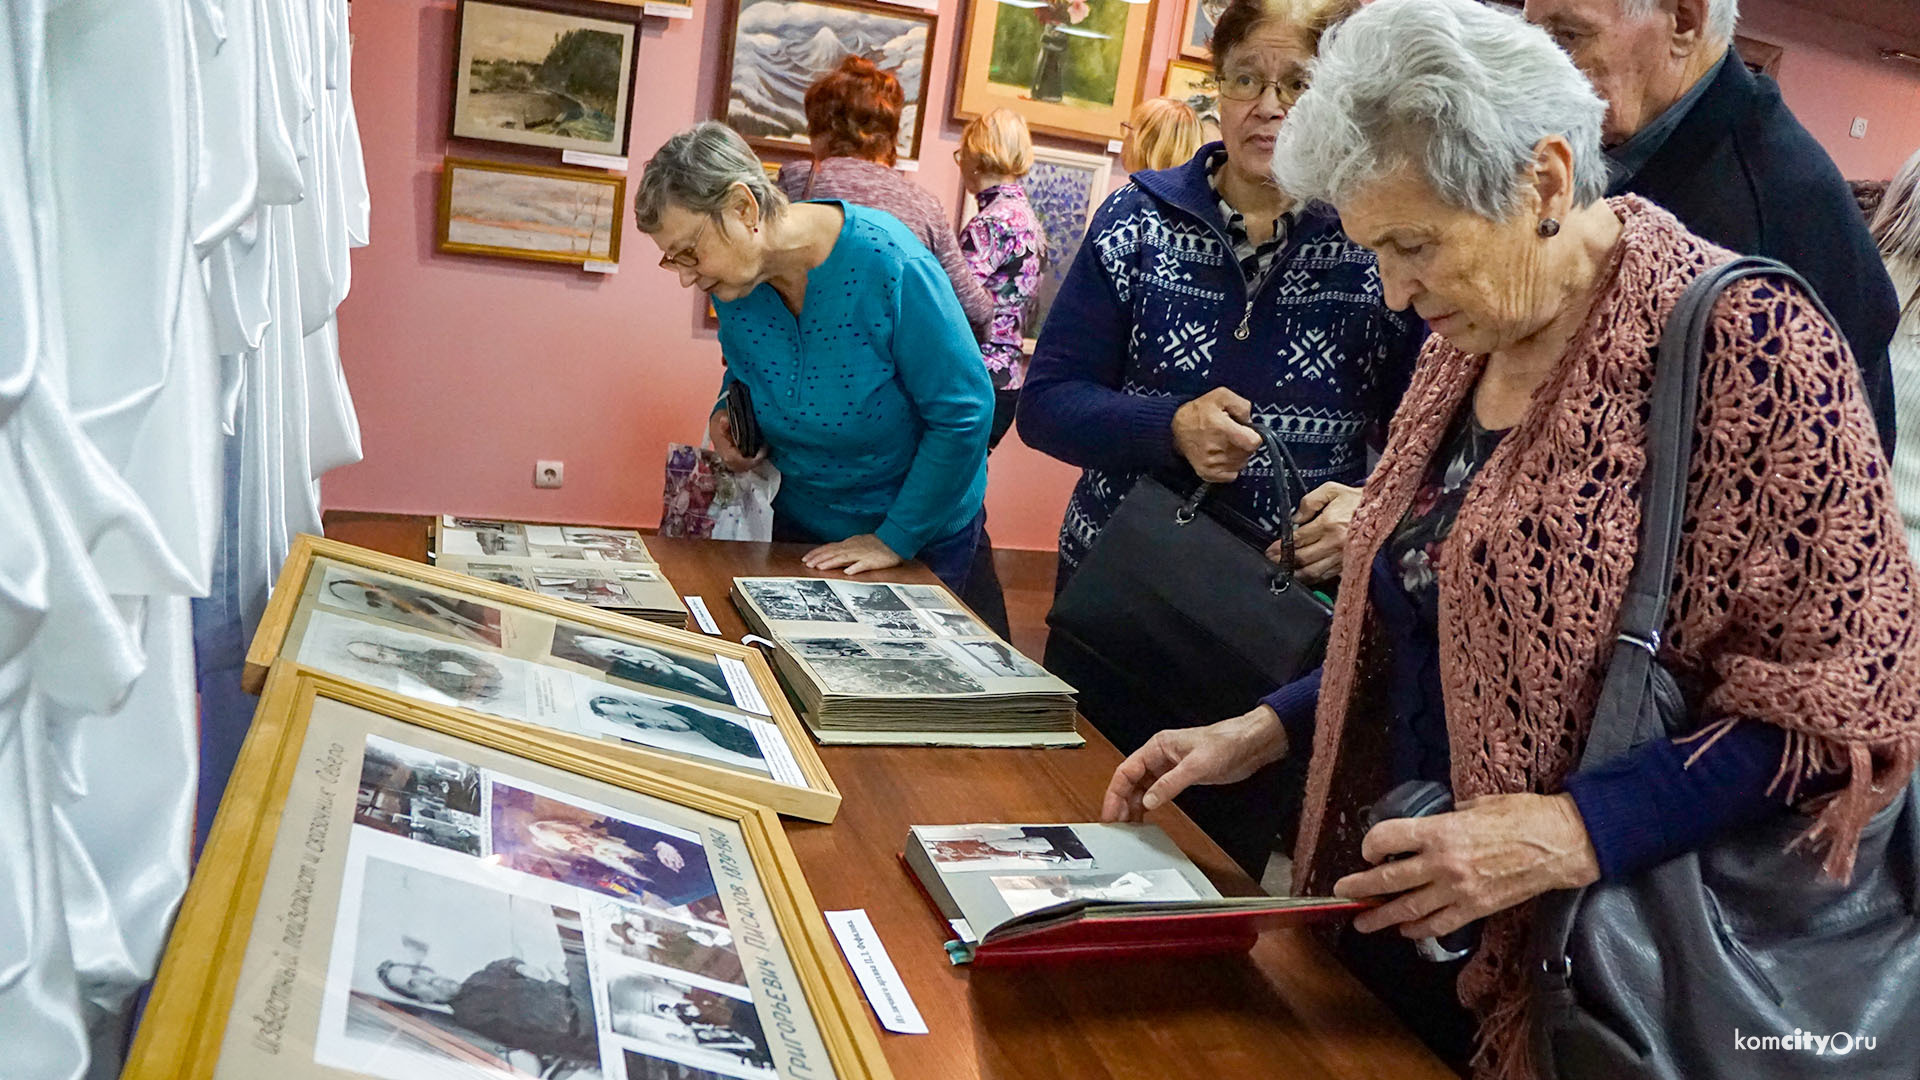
530	212
1064	188
396	891
683	704
775	49
1195	85
546	73
1070	67
1196	29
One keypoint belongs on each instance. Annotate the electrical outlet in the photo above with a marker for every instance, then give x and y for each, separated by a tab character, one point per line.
1859	127
549	474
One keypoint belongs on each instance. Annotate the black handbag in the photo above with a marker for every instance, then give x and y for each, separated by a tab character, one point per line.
1738	961
1176	618
740	419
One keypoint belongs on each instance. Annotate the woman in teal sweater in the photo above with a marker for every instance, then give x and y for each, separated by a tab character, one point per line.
865	377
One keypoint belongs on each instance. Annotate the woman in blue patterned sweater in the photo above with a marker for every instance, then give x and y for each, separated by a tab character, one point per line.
1200	302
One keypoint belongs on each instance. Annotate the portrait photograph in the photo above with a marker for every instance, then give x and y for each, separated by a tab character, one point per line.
643	664
691	1023
415	666
1031	892
529	212
665	724
420	795
962	848
410	605
895	677
451	979
646	863
539	73
697	949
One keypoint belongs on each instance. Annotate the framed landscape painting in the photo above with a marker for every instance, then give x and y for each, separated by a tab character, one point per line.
529	212
1070	67
544	73
777	48
1195	85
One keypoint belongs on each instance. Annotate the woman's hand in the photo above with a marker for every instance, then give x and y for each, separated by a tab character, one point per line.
858	554
1488	855
1178	758
1320	535
1211	432
720	432
669	855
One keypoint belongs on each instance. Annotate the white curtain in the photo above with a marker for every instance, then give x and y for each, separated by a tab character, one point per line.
180	181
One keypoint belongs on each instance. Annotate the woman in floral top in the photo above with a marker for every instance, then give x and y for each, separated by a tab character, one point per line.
1004	245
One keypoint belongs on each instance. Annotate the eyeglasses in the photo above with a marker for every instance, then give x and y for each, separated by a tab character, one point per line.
687	256
1247	86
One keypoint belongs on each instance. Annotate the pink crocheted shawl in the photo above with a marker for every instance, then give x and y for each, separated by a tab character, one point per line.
1792	602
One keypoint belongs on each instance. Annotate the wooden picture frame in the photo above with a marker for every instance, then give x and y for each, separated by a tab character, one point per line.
711	711
1196	28
316	941
1196	85
1029	39
768	111
552	84
549	222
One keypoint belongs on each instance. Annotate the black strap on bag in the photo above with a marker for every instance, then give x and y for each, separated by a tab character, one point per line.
1687	970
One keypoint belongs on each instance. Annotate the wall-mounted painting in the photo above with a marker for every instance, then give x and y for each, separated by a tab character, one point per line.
1195	85
527	212
544	73
777	48
1196	30
1064	189
1070	67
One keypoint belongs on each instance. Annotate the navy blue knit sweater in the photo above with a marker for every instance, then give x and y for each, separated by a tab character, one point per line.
1154	312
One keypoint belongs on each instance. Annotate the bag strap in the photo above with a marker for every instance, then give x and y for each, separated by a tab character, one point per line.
1286	477
1618	720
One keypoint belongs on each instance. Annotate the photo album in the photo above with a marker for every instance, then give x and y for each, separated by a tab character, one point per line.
689	705
412	894
1027	894
872	662
599	567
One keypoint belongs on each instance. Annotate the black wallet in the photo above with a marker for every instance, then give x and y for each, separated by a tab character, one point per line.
746	430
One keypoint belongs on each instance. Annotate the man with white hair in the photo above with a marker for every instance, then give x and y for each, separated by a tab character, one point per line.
1690	128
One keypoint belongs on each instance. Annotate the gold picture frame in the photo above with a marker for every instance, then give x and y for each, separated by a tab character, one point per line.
274	965
1016	55
697	708
1196	85
1196	28
552	215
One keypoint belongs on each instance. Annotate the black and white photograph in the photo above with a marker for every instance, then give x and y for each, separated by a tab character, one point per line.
902	650
643	862
410	605
995	659
926	596
828	648
863	598
695	948
803	600
646	665
649	1067
415	666
469	536
690	1023
903	620
606	540
664	724
954	623
420	795
964	848
587	586
446	978
904	677
638	574
1031	892
499	573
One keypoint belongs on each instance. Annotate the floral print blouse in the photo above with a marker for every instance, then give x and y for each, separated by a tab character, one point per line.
1005	246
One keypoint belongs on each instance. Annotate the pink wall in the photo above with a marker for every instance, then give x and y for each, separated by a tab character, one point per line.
466	370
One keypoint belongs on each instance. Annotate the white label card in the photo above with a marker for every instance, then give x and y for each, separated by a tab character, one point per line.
1113	146
669	11
598	266
701	615
777	754
594	161
740	681
875	970
907	165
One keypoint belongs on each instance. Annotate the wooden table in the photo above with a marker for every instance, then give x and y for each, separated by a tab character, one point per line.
1287	1011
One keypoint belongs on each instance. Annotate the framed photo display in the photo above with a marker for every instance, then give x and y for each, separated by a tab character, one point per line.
1196	29
530	212
549	73
677	703
1070	67
1194	84
397	891
775	49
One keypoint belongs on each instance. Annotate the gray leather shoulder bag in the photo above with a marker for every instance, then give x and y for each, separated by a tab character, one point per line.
1739	961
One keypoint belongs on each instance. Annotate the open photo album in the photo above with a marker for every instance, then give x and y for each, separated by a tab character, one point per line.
875	662
408	893
584	564
1028	894
685	704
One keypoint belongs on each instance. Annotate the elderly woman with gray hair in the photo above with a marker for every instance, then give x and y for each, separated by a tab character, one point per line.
864	376
1500	529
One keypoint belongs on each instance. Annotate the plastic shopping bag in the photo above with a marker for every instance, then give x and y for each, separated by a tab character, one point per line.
706	500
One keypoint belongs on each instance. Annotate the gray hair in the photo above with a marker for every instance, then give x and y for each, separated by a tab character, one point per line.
1722	15
697	170
1896	225
1463	92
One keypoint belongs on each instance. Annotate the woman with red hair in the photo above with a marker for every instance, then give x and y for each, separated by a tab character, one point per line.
853	118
